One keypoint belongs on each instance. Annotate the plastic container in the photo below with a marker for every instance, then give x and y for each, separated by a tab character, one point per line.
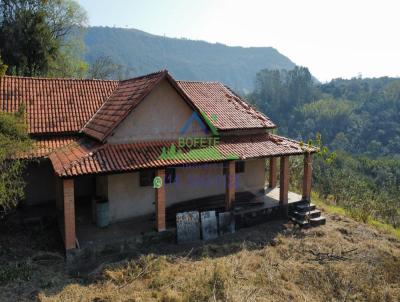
102	214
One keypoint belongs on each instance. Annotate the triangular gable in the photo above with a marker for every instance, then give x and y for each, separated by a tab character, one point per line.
128	95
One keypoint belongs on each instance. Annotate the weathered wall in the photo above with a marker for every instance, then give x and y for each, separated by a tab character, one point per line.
161	115
128	199
253	178
195	182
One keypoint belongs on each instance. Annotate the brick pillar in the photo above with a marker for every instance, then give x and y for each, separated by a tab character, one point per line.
160	202
272	172
284	184
69	214
230	185
307	176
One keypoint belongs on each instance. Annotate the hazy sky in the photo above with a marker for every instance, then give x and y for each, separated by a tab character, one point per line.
332	38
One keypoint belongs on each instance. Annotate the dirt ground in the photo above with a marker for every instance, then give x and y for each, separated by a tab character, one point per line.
275	261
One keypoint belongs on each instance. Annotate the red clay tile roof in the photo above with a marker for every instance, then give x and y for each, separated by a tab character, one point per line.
54	105
85	157
96	107
44	146
232	112
123	100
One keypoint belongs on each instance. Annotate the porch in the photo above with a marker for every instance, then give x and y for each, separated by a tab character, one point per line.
79	232
140	229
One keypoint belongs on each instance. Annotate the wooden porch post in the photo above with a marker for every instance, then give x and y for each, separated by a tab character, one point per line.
272	172
230	185
284	184
69	214
307	176
160	202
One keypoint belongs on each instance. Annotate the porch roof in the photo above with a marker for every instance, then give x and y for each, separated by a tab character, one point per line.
44	146
86	156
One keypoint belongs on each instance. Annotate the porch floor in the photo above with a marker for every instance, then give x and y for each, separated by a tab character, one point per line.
89	234
266	201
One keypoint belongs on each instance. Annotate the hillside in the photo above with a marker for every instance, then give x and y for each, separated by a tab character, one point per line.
358	119
341	261
185	59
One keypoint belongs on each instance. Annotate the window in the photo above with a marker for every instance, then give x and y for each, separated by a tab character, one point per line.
239	167
146	177
170	175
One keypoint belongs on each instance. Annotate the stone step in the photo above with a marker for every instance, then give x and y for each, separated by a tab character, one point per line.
305	207
311	214
318	221
300	222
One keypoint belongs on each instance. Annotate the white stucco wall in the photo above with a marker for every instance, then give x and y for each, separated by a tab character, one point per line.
128	199
196	182
161	115
253	178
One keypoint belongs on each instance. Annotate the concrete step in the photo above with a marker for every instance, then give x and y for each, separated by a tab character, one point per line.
310	214
304	207
318	221
301	222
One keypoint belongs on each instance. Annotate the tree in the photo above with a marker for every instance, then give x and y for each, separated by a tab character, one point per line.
105	68
33	33
68	62
14	140
279	92
3	68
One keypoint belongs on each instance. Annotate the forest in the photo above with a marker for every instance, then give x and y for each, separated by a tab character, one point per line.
356	122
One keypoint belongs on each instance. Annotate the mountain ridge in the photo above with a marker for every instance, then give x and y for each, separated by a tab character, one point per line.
142	52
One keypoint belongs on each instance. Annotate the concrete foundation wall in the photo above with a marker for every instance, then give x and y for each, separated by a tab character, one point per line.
128	199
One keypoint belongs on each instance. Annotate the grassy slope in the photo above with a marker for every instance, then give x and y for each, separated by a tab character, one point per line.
384	227
272	261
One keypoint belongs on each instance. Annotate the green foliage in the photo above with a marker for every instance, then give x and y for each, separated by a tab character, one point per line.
359	120
13	140
33	33
335	115
3	68
68	62
358	115
366	188
280	92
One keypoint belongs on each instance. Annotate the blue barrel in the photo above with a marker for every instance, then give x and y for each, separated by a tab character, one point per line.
102	214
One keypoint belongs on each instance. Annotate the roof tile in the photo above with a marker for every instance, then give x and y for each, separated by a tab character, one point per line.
89	157
54	105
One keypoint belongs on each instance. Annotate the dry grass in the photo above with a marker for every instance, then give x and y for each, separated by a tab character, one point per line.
342	261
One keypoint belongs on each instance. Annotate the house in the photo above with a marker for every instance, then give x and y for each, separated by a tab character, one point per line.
144	145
